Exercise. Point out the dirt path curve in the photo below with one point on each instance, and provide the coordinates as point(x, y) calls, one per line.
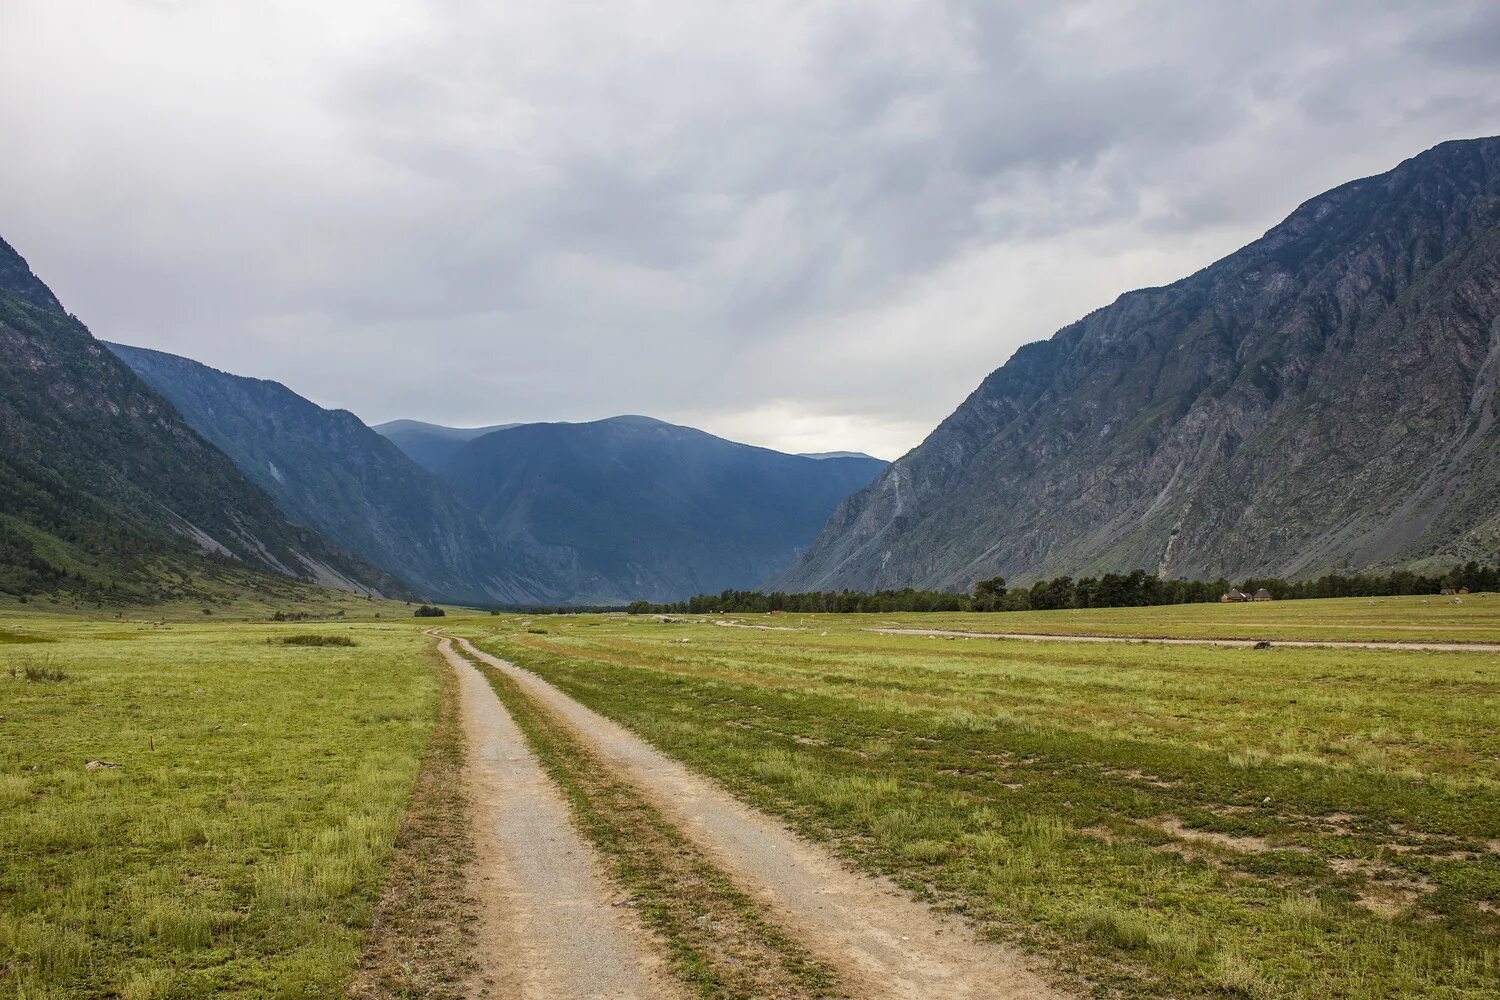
point(883, 943)
point(548, 930)
point(1440, 647)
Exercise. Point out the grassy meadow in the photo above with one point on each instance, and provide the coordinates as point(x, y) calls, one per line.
point(1156, 820)
point(227, 602)
point(237, 844)
point(1474, 618)
point(1149, 820)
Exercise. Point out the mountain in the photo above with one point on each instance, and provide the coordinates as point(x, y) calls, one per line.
point(326, 469)
point(431, 445)
point(633, 508)
point(106, 492)
point(838, 454)
point(1323, 398)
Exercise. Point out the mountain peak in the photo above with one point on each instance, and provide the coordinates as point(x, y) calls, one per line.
point(16, 278)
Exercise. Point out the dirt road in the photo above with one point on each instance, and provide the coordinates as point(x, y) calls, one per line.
point(1439, 647)
point(883, 943)
point(548, 930)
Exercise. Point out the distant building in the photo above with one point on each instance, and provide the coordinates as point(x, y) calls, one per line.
point(1447, 592)
point(1263, 595)
point(1463, 590)
point(1234, 596)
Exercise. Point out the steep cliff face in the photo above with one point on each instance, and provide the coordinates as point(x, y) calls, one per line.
point(1325, 397)
point(105, 490)
point(326, 469)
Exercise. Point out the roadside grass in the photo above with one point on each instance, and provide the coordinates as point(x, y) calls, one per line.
point(235, 843)
point(719, 941)
point(421, 939)
point(1158, 821)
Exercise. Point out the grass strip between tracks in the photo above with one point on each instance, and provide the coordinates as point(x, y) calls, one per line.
point(720, 942)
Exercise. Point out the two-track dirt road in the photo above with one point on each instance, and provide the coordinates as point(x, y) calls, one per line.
point(882, 943)
point(547, 926)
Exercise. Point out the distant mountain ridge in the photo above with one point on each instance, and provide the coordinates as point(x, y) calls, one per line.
point(431, 445)
point(837, 454)
point(325, 468)
point(1324, 398)
point(106, 491)
point(632, 507)
point(530, 514)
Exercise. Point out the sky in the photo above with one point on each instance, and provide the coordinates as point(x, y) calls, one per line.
point(810, 226)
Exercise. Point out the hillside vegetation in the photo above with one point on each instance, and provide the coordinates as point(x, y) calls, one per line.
point(109, 495)
point(326, 469)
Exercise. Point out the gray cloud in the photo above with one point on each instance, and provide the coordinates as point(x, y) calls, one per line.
point(808, 225)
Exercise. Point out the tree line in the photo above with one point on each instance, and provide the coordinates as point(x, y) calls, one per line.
point(837, 602)
point(1111, 590)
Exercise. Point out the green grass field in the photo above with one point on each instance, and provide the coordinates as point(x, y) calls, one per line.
point(1149, 820)
point(1356, 619)
point(238, 846)
point(1158, 820)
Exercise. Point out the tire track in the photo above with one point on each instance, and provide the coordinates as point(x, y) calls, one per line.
point(547, 929)
point(885, 945)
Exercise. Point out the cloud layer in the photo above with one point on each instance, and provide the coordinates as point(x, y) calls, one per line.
point(809, 225)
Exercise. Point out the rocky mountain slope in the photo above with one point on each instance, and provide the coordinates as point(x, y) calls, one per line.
point(326, 469)
point(106, 492)
point(1325, 397)
point(633, 508)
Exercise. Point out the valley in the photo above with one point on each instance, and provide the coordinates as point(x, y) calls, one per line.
point(1165, 666)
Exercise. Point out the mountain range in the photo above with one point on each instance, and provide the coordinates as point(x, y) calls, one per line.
point(635, 508)
point(432, 445)
point(110, 495)
point(517, 514)
point(1325, 398)
point(326, 469)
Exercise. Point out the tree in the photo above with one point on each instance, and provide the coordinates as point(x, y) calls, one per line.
point(989, 594)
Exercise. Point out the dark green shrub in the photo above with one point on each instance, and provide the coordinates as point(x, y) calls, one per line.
point(318, 640)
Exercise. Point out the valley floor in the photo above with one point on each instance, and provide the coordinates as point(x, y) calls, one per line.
point(809, 806)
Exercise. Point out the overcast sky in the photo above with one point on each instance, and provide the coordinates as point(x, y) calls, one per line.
point(805, 225)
